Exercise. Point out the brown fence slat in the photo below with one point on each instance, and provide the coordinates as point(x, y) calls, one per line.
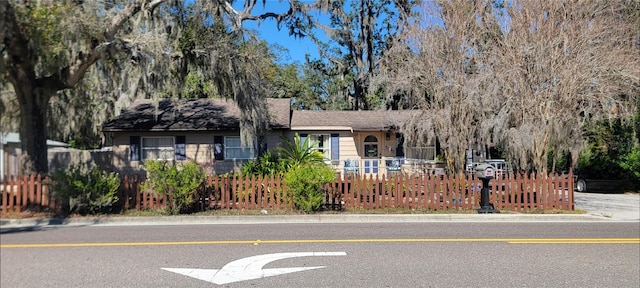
point(378, 192)
point(233, 191)
point(21, 193)
point(6, 192)
point(559, 191)
point(137, 197)
point(222, 187)
point(369, 192)
point(44, 192)
point(33, 187)
point(567, 202)
point(244, 193)
point(416, 192)
point(212, 189)
point(551, 199)
point(38, 192)
point(126, 192)
point(13, 193)
point(277, 198)
point(412, 193)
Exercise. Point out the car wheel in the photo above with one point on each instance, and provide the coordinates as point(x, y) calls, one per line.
point(581, 185)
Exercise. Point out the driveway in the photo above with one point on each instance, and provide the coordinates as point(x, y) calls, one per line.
point(624, 207)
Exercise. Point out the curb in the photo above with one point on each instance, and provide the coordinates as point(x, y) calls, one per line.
point(310, 219)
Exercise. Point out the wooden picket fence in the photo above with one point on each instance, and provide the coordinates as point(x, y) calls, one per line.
point(426, 192)
point(26, 192)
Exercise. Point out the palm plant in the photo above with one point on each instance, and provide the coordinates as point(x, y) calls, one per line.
point(298, 152)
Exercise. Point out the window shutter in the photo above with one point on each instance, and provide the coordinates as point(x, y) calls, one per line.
point(134, 148)
point(218, 147)
point(399, 145)
point(181, 148)
point(335, 147)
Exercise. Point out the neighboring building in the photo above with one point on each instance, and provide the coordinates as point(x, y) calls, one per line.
point(11, 151)
point(208, 131)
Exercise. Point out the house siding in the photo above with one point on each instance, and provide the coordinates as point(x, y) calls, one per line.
point(274, 139)
point(199, 147)
point(348, 148)
point(346, 142)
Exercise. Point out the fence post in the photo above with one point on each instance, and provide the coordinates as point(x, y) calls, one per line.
point(569, 181)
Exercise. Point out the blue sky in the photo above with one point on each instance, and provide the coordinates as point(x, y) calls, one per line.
point(269, 32)
point(296, 47)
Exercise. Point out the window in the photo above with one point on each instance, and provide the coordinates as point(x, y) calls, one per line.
point(158, 148)
point(324, 144)
point(233, 149)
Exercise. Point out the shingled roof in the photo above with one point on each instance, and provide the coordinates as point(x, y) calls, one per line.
point(192, 115)
point(381, 120)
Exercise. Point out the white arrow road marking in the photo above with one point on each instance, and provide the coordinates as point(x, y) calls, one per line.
point(250, 268)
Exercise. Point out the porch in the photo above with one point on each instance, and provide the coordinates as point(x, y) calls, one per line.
point(417, 161)
point(388, 167)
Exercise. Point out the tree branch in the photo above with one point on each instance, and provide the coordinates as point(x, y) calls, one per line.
point(73, 74)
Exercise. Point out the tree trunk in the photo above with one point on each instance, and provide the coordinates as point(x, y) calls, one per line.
point(33, 126)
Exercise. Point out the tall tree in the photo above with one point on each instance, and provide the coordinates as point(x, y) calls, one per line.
point(124, 48)
point(39, 59)
point(562, 65)
point(435, 68)
point(358, 35)
point(526, 75)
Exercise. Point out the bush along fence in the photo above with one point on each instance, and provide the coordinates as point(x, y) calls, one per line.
point(236, 192)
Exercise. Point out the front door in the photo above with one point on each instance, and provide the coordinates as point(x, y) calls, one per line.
point(371, 155)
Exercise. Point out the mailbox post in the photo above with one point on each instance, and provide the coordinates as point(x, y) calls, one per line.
point(485, 172)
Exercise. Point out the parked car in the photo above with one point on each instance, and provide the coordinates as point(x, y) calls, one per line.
point(587, 181)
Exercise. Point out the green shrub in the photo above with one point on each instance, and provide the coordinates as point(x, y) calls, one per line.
point(631, 162)
point(305, 183)
point(268, 164)
point(182, 181)
point(85, 190)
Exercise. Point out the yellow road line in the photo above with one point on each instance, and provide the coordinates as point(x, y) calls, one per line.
point(409, 240)
point(578, 241)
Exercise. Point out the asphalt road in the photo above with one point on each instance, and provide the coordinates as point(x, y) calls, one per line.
point(453, 254)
